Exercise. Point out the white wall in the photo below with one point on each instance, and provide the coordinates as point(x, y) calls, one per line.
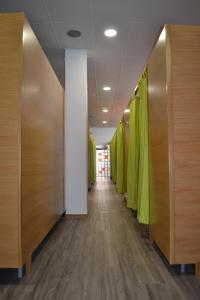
point(102, 136)
point(76, 120)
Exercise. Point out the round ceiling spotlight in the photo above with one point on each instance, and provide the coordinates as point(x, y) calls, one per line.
point(110, 32)
point(107, 88)
point(127, 110)
point(105, 110)
point(104, 122)
point(74, 33)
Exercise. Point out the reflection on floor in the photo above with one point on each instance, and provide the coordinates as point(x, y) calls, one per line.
point(102, 257)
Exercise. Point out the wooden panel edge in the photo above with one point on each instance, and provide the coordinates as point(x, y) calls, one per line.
point(19, 146)
point(170, 139)
point(197, 270)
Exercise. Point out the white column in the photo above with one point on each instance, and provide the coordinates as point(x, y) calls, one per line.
point(76, 120)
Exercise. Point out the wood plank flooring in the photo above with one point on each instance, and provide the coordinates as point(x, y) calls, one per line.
point(102, 257)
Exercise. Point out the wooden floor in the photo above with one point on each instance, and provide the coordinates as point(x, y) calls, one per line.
point(102, 257)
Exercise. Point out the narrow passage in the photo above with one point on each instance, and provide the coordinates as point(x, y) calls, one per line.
point(102, 257)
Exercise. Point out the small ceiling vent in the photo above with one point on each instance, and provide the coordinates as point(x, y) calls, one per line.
point(74, 33)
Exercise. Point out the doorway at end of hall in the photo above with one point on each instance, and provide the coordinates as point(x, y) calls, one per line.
point(103, 161)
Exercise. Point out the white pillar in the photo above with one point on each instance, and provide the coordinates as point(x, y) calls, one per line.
point(76, 122)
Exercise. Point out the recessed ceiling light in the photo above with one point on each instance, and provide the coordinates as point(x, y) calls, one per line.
point(110, 32)
point(74, 33)
point(127, 110)
point(104, 122)
point(105, 110)
point(107, 88)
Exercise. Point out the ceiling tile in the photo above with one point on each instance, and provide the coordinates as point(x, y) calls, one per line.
point(45, 35)
point(34, 10)
point(117, 62)
point(56, 59)
point(66, 42)
point(64, 10)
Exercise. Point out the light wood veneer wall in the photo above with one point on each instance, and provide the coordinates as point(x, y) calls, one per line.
point(174, 124)
point(31, 142)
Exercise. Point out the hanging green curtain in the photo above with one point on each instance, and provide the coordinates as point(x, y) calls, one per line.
point(111, 159)
point(114, 158)
point(143, 179)
point(133, 155)
point(88, 159)
point(125, 157)
point(120, 158)
point(91, 160)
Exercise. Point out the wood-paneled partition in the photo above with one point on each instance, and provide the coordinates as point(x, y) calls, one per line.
point(31, 143)
point(174, 132)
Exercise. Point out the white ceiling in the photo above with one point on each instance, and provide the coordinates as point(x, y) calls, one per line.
point(102, 136)
point(118, 62)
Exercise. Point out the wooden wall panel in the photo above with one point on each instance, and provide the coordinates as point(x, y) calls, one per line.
point(10, 81)
point(159, 150)
point(174, 122)
point(42, 145)
point(185, 43)
point(31, 142)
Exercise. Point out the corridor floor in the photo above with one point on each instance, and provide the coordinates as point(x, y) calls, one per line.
point(102, 257)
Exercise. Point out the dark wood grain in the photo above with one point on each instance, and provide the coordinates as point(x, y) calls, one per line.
point(102, 257)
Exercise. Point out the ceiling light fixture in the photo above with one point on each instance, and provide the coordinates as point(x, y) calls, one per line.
point(110, 32)
point(105, 110)
point(74, 33)
point(104, 122)
point(127, 110)
point(107, 88)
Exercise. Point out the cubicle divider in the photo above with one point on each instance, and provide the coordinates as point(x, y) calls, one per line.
point(31, 139)
point(162, 157)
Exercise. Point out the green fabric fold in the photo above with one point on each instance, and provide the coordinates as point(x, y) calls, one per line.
point(92, 160)
point(113, 154)
point(143, 179)
point(120, 158)
point(133, 155)
point(137, 178)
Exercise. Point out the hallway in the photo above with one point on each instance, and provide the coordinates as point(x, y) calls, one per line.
point(102, 257)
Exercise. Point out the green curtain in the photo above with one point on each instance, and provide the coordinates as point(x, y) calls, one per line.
point(113, 152)
point(125, 157)
point(133, 154)
point(92, 160)
point(120, 158)
point(89, 150)
point(111, 155)
point(143, 178)
point(137, 179)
